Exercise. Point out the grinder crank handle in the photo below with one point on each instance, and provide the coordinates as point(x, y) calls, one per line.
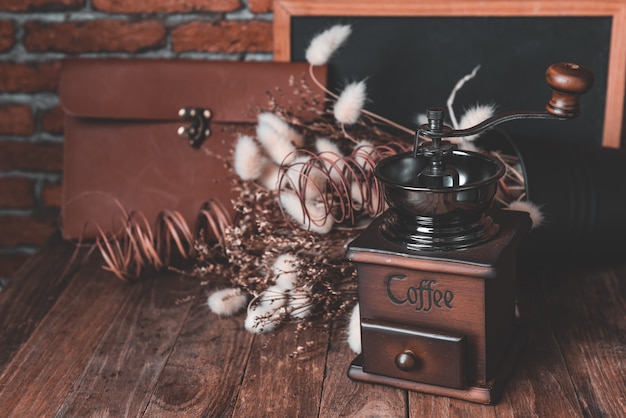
point(568, 82)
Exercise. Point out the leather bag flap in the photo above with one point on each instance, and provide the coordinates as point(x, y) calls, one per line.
point(156, 89)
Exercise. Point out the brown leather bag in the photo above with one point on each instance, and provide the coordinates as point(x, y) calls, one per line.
point(122, 148)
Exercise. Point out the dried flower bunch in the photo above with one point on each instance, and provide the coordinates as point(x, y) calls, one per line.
point(306, 187)
point(280, 273)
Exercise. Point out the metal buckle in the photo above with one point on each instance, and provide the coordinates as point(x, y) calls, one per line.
point(198, 130)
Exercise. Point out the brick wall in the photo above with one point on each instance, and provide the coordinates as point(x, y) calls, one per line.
point(35, 35)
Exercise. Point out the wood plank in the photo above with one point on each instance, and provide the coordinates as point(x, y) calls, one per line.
point(277, 385)
point(540, 384)
point(423, 405)
point(27, 298)
point(124, 368)
point(587, 305)
point(203, 374)
point(57, 351)
point(343, 397)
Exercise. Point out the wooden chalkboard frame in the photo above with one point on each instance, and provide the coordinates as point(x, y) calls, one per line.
point(284, 10)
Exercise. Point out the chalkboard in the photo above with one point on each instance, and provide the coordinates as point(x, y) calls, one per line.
point(413, 62)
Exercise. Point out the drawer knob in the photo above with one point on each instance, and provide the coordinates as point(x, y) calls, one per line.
point(407, 361)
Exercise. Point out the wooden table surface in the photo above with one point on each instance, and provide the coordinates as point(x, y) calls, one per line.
point(85, 344)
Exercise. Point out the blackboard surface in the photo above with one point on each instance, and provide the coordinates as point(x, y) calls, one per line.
point(411, 63)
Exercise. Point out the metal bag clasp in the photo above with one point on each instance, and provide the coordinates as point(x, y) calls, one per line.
point(198, 130)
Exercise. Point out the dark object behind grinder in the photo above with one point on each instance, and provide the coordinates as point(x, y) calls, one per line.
point(581, 190)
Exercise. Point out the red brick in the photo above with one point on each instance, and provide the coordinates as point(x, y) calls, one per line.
point(40, 5)
point(16, 120)
point(7, 35)
point(29, 77)
point(260, 6)
point(26, 230)
point(17, 192)
point(11, 263)
point(94, 36)
point(166, 6)
point(52, 195)
point(52, 120)
point(228, 36)
point(36, 156)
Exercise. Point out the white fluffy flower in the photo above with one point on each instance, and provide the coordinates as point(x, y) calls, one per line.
point(277, 144)
point(363, 194)
point(475, 115)
point(281, 128)
point(266, 314)
point(312, 216)
point(421, 119)
point(227, 302)
point(270, 177)
point(363, 154)
point(307, 178)
point(354, 330)
point(326, 43)
point(300, 305)
point(357, 194)
point(273, 296)
point(248, 159)
point(285, 270)
point(331, 157)
point(350, 103)
point(261, 319)
point(536, 216)
point(323, 145)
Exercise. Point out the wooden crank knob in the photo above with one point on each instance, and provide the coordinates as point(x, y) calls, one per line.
point(568, 82)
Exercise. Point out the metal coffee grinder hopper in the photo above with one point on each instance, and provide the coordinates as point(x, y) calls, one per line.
point(436, 272)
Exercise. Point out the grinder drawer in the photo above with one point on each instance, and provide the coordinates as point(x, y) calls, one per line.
point(415, 354)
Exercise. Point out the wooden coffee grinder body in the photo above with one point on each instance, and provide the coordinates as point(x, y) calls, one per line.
point(439, 322)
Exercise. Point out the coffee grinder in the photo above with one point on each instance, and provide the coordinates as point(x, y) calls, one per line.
point(436, 271)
